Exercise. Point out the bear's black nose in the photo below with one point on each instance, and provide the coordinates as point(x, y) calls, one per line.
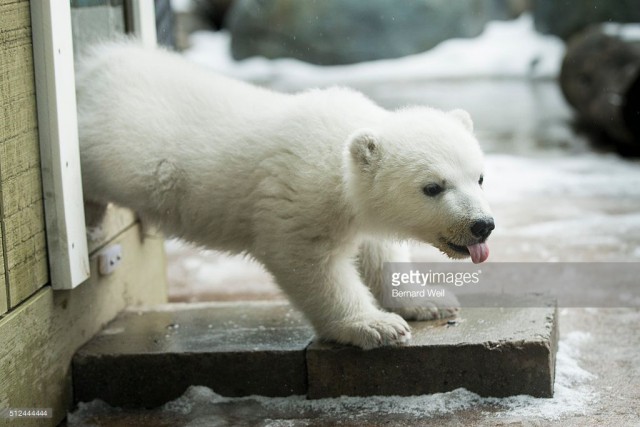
point(482, 228)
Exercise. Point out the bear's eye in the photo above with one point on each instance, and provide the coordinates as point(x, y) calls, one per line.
point(432, 190)
point(481, 180)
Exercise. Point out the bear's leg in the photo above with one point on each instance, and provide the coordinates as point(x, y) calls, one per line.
point(329, 291)
point(371, 259)
point(94, 213)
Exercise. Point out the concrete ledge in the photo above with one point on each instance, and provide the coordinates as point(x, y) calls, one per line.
point(146, 358)
point(490, 351)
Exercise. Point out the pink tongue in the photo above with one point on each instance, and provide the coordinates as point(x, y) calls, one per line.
point(479, 252)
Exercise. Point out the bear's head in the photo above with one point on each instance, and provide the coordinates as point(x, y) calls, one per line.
point(418, 175)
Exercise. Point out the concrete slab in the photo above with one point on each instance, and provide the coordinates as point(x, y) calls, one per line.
point(146, 358)
point(598, 384)
point(490, 351)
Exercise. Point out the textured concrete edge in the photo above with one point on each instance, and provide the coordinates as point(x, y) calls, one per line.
point(500, 372)
point(555, 339)
point(328, 368)
point(151, 379)
point(141, 361)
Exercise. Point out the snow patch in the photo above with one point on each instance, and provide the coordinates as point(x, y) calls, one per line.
point(182, 6)
point(505, 49)
point(509, 177)
point(193, 272)
point(626, 32)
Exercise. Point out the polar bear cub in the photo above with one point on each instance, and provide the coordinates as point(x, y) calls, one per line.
point(316, 185)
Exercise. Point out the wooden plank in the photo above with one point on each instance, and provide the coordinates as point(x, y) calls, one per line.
point(3, 284)
point(21, 154)
point(21, 190)
point(21, 210)
point(22, 113)
point(39, 338)
point(60, 153)
point(26, 256)
point(14, 20)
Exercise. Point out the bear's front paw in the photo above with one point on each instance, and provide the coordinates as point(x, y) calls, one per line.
point(369, 331)
point(432, 309)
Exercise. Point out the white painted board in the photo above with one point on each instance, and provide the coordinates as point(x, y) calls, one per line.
point(143, 13)
point(59, 150)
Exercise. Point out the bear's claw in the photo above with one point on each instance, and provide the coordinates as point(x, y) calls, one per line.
point(370, 331)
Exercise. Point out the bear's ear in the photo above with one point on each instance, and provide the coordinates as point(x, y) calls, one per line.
point(364, 148)
point(463, 117)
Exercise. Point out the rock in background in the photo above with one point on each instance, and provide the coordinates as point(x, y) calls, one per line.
point(564, 18)
point(329, 32)
point(600, 78)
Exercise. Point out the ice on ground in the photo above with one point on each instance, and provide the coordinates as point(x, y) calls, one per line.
point(573, 396)
point(583, 207)
point(511, 178)
point(591, 203)
point(506, 49)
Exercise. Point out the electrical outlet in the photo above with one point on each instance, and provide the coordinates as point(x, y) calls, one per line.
point(109, 259)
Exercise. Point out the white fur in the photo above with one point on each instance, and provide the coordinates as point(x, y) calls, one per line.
point(303, 183)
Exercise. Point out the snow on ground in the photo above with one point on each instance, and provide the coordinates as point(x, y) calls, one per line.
point(195, 274)
point(510, 49)
point(182, 6)
point(573, 396)
point(626, 32)
point(511, 178)
point(589, 199)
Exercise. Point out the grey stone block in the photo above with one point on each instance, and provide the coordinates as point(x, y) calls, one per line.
point(144, 359)
point(490, 351)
